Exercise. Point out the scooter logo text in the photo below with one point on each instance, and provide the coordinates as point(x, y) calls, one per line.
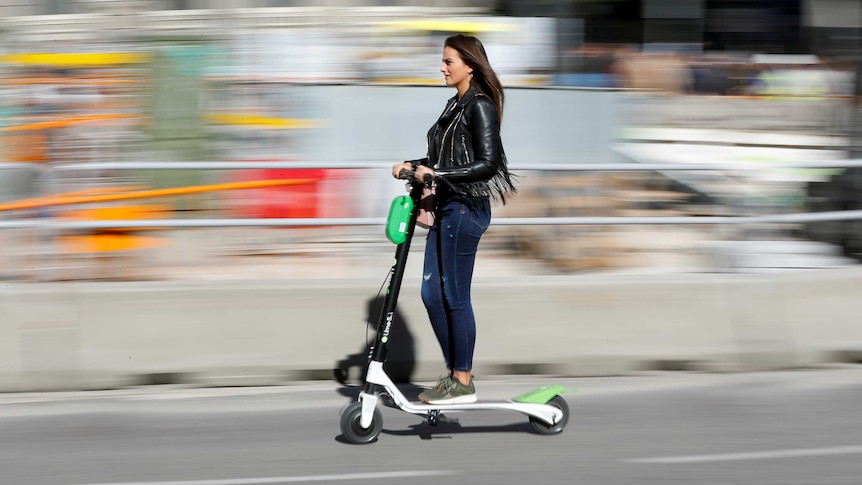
point(385, 337)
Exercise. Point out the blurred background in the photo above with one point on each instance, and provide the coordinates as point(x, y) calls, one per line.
point(193, 193)
point(190, 139)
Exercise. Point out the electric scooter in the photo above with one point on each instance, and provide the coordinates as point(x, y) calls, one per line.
point(362, 421)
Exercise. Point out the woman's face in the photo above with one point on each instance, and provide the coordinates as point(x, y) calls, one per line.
point(455, 71)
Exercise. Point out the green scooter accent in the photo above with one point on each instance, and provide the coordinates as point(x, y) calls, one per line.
point(399, 217)
point(542, 395)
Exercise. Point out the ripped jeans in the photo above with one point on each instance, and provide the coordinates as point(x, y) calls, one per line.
point(450, 254)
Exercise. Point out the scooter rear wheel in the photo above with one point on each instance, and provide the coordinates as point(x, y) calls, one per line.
point(353, 431)
point(542, 427)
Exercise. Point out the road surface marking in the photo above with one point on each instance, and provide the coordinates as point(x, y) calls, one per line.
point(299, 479)
point(753, 455)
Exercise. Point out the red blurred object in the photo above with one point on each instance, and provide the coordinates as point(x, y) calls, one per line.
point(290, 201)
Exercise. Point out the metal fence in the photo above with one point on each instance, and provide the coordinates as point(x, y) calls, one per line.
point(503, 221)
point(571, 242)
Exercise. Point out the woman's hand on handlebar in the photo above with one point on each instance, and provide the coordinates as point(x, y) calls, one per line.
point(399, 167)
point(422, 171)
point(403, 170)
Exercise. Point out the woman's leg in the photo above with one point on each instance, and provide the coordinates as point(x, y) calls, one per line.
point(432, 293)
point(459, 230)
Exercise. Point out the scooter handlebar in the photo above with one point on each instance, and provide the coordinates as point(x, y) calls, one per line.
point(405, 174)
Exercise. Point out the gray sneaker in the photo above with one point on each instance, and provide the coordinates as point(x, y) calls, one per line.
point(450, 391)
point(441, 380)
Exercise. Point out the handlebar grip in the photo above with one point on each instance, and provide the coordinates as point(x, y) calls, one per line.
point(405, 174)
point(428, 179)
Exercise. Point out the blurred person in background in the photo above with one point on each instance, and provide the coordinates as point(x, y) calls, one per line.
point(468, 165)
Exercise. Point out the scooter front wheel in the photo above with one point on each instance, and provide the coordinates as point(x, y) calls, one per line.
point(353, 431)
point(542, 427)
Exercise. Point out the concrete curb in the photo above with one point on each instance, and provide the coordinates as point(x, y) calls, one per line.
point(80, 336)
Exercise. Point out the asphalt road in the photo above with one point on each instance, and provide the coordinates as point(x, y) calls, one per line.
point(794, 427)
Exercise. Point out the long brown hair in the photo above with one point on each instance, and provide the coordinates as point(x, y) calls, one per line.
point(473, 54)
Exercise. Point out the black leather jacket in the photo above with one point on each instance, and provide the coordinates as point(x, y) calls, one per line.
point(465, 149)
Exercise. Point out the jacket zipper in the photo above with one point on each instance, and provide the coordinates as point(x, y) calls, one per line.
point(454, 122)
point(464, 146)
point(443, 141)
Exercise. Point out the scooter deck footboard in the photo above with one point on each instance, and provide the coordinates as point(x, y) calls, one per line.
point(546, 413)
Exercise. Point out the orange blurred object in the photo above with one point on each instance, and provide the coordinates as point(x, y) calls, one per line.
point(116, 238)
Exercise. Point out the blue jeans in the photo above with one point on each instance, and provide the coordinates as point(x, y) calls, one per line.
point(450, 254)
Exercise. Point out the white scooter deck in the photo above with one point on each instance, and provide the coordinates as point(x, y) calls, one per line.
point(376, 375)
